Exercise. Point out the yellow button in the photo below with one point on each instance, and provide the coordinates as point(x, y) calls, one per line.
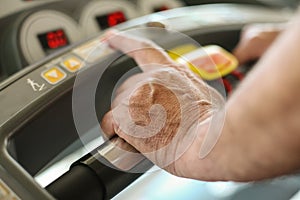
point(209, 62)
point(54, 75)
point(72, 64)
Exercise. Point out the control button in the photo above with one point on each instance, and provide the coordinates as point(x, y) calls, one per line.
point(93, 51)
point(3, 191)
point(54, 75)
point(210, 62)
point(6, 193)
point(72, 64)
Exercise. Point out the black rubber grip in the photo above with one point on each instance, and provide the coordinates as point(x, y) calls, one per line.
point(113, 180)
point(80, 182)
point(90, 179)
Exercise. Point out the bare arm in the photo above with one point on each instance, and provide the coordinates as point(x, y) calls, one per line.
point(261, 134)
point(265, 111)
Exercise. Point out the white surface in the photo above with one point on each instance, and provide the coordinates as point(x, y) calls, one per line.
point(296, 196)
point(160, 185)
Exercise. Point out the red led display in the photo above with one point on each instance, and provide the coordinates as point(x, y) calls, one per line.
point(111, 19)
point(116, 18)
point(56, 39)
point(53, 39)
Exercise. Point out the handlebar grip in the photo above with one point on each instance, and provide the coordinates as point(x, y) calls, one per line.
point(102, 173)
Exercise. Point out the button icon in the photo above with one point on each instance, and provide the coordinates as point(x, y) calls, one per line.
point(72, 64)
point(35, 86)
point(54, 75)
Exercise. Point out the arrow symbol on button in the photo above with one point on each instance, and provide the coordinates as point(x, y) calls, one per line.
point(73, 63)
point(53, 74)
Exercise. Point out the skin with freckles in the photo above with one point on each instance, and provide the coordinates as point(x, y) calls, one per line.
point(261, 133)
point(184, 99)
point(155, 94)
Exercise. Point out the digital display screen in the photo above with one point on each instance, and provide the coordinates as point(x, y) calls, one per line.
point(160, 8)
point(111, 19)
point(53, 39)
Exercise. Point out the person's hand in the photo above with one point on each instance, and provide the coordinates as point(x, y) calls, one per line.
point(163, 112)
point(167, 113)
point(255, 40)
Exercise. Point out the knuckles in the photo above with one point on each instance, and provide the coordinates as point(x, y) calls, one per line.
point(140, 104)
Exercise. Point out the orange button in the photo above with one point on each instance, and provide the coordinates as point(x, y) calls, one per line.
point(210, 62)
point(54, 75)
point(72, 64)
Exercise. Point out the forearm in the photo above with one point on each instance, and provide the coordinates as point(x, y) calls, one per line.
point(264, 112)
point(261, 134)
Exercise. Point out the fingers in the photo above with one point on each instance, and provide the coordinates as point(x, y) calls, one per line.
point(147, 54)
point(107, 125)
point(143, 51)
point(243, 54)
point(255, 40)
point(246, 50)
